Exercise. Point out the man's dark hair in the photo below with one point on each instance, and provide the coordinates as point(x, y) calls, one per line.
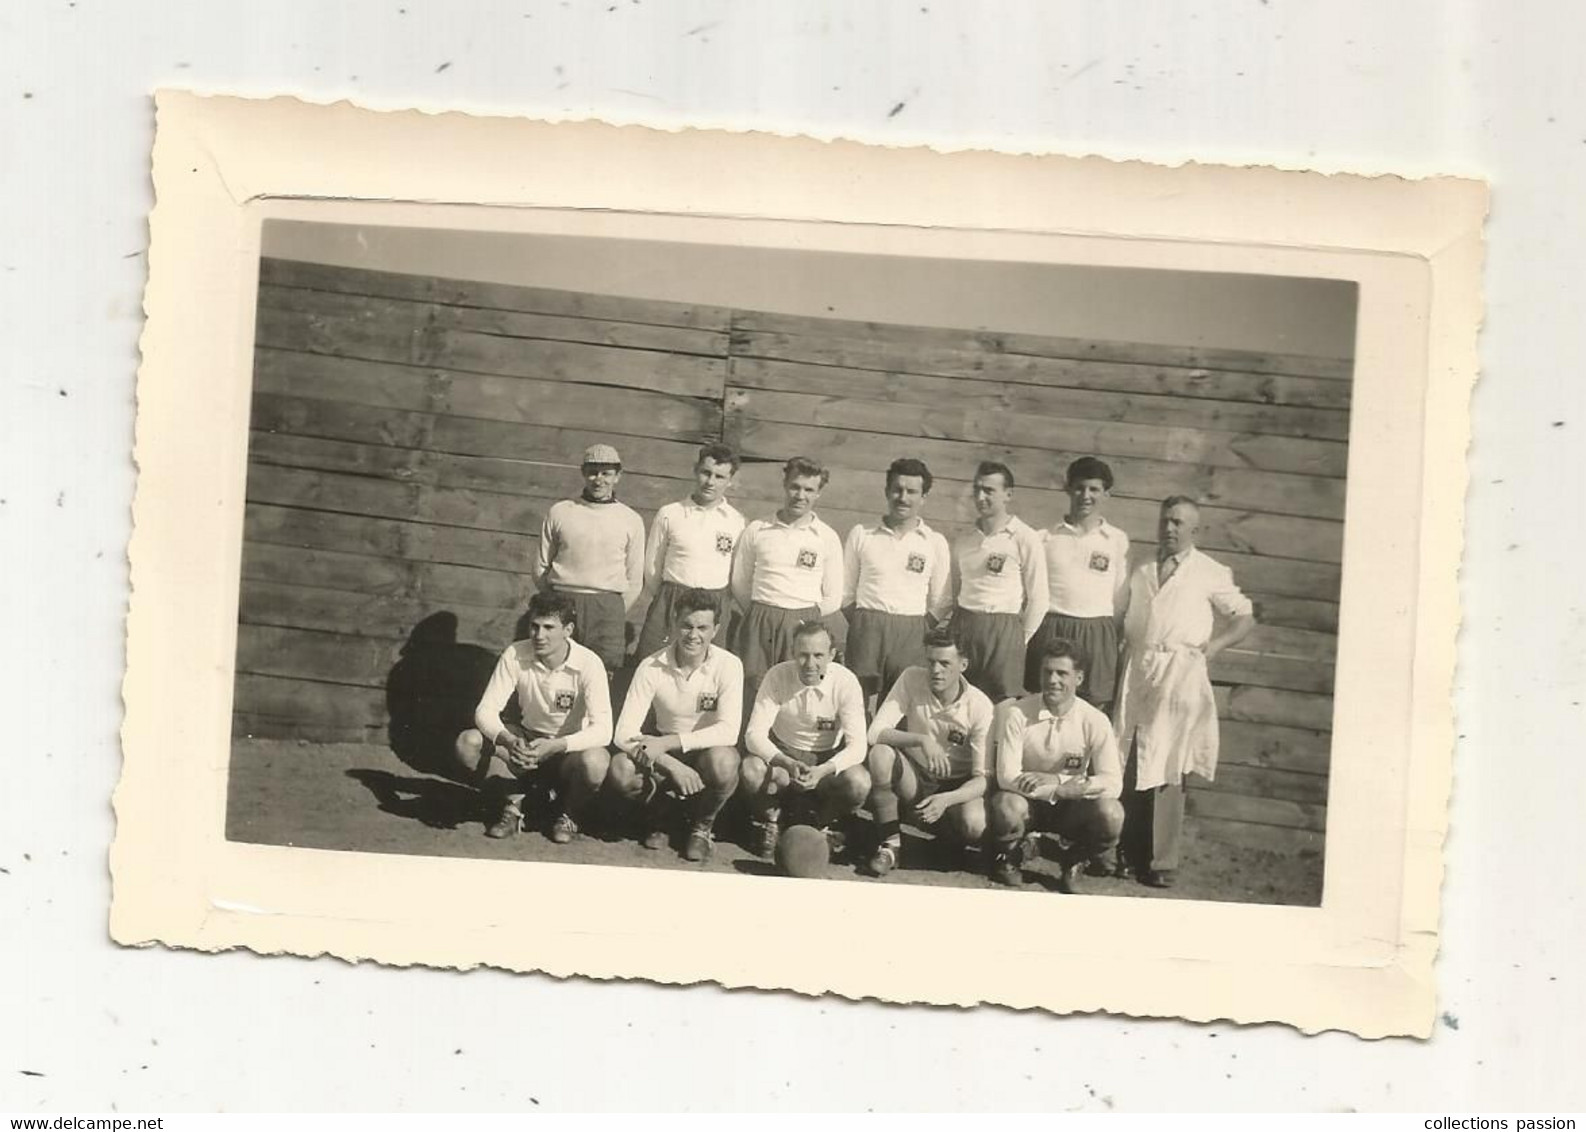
point(1089, 468)
point(549, 603)
point(908, 466)
point(941, 637)
point(690, 602)
point(1060, 647)
point(801, 466)
point(992, 468)
point(810, 628)
point(719, 453)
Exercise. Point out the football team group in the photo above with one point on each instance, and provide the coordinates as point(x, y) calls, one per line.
point(978, 688)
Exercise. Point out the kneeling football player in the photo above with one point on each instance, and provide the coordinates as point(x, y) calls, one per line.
point(560, 747)
point(928, 751)
point(805, 743)
point(690, 756)
point(1057, 772)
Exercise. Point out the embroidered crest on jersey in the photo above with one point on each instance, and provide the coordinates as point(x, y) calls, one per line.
point(956, 736)
point(1100, 562)
point(916, 563)
point(995, 563)
point(1073, 764)
point(707, 701)
point(723, 543)
point(808, 560)
point(826, 723)
point(563, 701)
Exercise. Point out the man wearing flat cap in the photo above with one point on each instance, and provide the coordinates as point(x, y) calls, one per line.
point(592, 550)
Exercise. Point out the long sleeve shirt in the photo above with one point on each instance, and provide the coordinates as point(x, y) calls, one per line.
point(829, 716)
point(690, 545)
point(1002, 572)
point(789, 565)
point(897, 571)
point(703, 708)
point(571, 701)
point(1077, 745)
point(963, 727)
point(1087, 573)
point(589, 547)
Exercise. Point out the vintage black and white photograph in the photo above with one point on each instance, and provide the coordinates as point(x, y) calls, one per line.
point(877, 569)
point(557, 556)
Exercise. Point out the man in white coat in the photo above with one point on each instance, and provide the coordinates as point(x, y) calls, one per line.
point(1165, 715)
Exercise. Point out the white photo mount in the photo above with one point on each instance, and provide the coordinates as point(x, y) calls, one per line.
point(1362, 962)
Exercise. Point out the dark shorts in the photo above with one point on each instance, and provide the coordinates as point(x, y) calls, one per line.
point(993, 644)
point(544, 774)
point(802, 808)
point(808, 758)
point(1078, 821)
point(929, 785)
point(764, 637)
point(602, 625)
point(882, 645)
point(658, 618)
point(1096, 640)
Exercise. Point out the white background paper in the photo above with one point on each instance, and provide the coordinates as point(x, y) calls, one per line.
point(1418, 87)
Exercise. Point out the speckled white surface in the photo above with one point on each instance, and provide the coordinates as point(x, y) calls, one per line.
point(1417, 87)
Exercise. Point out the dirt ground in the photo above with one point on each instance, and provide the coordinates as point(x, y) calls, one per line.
point(362, 797)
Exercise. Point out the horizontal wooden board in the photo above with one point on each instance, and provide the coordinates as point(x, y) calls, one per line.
point(1298, 612)
point(385, 578)
point(1211, 803)
point(362, 495)
point(328, 658)
point(425, 345)
point(400, 428)
point(571, 362)
point(1082, 349)
point(980, 365)
point(1246, 666)
point(951, 501)
point(509, 324)
point(1284, 641)
point(1271, 745)
point(1272, 838)
point(389, 538)
point(969, 418)
point(1265, 782)
point(493, 296)
point(635, 412)
point(442, 469)
point(1240, 417)
point(290, 606)
point(1277, 493)
point(469, 513)
point(308, 701)
point(594, 332)
point(407, 343)
point(245, 725)
point(1305, 710)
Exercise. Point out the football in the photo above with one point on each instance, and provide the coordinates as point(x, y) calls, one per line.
point(802, 851)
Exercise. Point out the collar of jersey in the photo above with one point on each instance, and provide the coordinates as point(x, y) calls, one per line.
point(709, 661)
point(920, 529)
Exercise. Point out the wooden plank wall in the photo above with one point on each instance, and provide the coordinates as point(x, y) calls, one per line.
point(408, 435)
point(409, 432)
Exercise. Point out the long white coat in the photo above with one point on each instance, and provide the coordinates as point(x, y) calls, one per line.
point(1164, 689)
